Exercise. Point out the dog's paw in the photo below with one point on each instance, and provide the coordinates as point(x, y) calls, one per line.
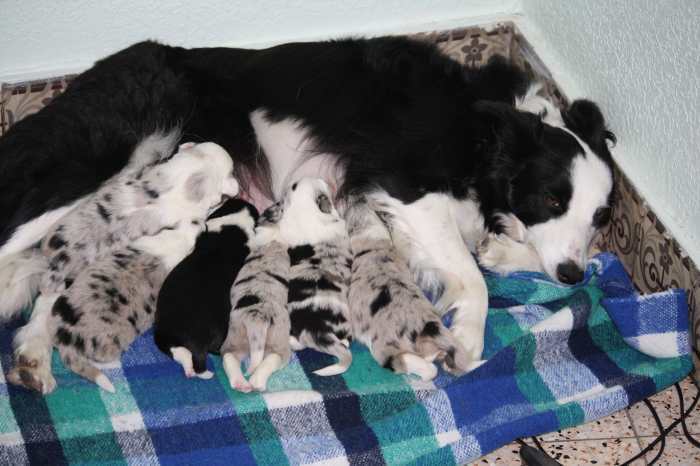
point(471, 337)
point(32, 373)
point(503, 255)
point(492, 252)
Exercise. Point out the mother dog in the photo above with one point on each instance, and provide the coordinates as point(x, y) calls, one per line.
point(455, 154)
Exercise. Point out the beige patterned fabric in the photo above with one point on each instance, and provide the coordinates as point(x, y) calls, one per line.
point(650, 254)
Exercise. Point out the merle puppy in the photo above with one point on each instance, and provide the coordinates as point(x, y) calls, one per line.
point(259, 325)
point(319, 255)
point(193, 308)
point(388, 311)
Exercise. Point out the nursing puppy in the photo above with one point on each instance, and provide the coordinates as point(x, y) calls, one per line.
point(259, 324)
point(388, 311)
point(319, 254)
point(192, 314)
point(114, 240)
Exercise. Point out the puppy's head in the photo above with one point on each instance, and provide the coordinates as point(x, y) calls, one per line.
point(309, 213)
point(234, 213)
point(204, 175)
point(553, 172)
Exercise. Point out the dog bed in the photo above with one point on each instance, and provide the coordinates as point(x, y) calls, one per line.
point(558, 356)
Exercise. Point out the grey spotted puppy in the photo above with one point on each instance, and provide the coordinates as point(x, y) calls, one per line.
point(146, 214)
point(319, 253)
point(389, 313)
point(259, 323)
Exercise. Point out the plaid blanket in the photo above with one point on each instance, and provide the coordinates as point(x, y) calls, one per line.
point(557, 356)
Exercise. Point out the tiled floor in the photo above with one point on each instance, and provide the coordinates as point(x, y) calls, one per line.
point(617, 438)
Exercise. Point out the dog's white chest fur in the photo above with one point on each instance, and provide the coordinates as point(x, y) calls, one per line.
point(290, 153)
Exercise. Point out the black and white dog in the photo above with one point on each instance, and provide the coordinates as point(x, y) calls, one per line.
point(444, 147)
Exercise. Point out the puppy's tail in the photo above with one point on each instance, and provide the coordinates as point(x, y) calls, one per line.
point(82, 366)
point(20, 276)
point(341, 351)
point(257, 336)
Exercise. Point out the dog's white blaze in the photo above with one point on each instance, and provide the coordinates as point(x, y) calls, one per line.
point(291, 155)
point(568, 237)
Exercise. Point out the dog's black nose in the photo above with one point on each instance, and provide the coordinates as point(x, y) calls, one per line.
point(568, 272)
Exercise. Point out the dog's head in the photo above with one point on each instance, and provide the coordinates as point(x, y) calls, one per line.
point(553, 172)
point(308, 211)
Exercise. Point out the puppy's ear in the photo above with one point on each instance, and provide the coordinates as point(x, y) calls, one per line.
point(585, 119)
point(195, 186)
point(323, 203)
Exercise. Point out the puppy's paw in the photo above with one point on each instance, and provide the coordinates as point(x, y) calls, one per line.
point(232, 367)
point(206, 375)
point(241, 386)
point(33, 374)
point(416, 365)
point(258, 381)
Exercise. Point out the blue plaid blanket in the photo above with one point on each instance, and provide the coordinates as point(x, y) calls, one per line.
point(557, 356)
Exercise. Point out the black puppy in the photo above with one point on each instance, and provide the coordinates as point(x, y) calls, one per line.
point(194, 303)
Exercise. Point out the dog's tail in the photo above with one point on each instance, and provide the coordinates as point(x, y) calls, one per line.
point(82, 366)
point(20, 276)
point(341, 351)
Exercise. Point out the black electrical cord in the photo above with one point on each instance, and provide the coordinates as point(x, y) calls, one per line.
point(681, 402)
point(663, 433)
point(661, 438)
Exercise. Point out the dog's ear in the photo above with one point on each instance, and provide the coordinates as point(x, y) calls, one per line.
point(585, 119)
point(195, 186)
point(494, 123)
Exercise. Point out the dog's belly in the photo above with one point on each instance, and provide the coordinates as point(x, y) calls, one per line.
point(290, 154)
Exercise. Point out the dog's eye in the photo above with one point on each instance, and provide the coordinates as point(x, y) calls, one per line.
point(601, 217)
point(552, 202)
point(323, 203)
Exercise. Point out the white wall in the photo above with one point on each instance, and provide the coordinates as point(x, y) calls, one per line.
point(43, 38)
point(639, 60)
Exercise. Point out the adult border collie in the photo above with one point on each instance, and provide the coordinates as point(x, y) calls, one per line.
point(456, 154)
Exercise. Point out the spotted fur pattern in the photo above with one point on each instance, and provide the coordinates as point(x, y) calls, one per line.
point(105, 309)
point(389, 312)
point(259, 323)
point(108, 258)
point(319, 254)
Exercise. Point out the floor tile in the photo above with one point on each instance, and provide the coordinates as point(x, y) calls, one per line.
point(604, 452)
point(667, 407)
point(507, 455)
point(617, 425)
point(678, 450)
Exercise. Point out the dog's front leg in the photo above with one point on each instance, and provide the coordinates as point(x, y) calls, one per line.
point(428, 235)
